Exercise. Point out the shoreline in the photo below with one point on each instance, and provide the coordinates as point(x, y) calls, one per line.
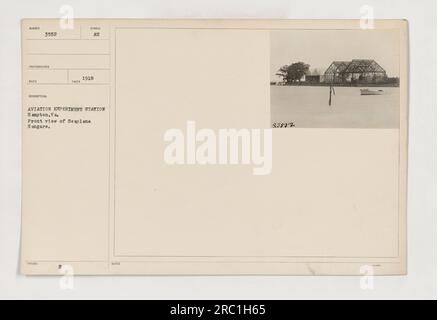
point(355, 85)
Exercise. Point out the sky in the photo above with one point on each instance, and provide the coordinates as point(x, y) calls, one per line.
point(319, 48)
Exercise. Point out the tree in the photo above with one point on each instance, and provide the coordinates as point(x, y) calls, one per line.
point(283, 73)
point(294, 72)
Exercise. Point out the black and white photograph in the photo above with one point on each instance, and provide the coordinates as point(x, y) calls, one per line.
point(218, 159)
point(335, 78)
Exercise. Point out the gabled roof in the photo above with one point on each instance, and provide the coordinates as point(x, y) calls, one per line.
point(363, 66)
point(354, 66)
point(337, 67)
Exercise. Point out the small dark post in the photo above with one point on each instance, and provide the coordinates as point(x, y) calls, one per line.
point(330, 94)
point(331, 91)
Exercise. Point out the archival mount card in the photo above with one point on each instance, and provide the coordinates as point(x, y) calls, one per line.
point(210, 147)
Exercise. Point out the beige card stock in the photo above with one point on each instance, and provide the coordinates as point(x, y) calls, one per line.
point(211, 147)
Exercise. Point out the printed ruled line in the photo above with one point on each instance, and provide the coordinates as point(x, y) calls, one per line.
point(34, 39)
point(254, 257)
point(67, 84)
point(67, 54)
point(220, 262)
point(48, 69)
